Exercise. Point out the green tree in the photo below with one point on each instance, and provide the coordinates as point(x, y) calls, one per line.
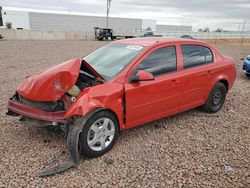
point(206, 29)
point(219, 30)
point(8, 25)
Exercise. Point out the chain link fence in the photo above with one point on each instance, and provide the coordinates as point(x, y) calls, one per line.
point(208, 35)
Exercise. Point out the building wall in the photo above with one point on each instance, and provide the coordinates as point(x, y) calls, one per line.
point(17, 18)
point(83, 25)
point(215, 37)
point(86, 24)
point(169, 28)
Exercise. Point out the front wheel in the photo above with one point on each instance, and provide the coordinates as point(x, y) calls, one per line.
point(216, 98)
point(99, 134)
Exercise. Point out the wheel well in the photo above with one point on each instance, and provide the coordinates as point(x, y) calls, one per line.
point(225, 82)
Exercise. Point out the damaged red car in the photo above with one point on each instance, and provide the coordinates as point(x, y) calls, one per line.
point(121, 85)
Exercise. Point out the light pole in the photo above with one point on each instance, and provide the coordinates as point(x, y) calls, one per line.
point(243, 25)
point(108, 8)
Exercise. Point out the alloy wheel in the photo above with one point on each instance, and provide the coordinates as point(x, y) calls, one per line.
point(101, 134)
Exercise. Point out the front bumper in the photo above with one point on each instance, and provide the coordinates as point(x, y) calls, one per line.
point(34, 113)
point(16, 108)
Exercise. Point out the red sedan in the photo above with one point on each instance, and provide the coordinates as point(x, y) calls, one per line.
point(121, 85)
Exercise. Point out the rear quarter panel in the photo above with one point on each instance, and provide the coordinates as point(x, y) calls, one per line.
point(224, 70)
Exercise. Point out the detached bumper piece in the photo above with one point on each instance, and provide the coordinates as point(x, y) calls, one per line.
point(16, 108)
point(75, 128)
point(74, 151)
point(72, 144)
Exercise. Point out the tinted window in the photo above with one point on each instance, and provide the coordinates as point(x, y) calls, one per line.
point(160, 61)
point(192, 55)
point(195, 55)
point(208, 55)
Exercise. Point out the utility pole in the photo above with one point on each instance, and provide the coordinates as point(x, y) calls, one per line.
point(243, 26)
point(239, 29)
point(108, 8)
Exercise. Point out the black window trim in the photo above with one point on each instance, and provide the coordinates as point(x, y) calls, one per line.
point(157, 48)
point(203, 52)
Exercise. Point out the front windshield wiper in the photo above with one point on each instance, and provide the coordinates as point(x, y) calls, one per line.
point(91, 76)
point(87, 74)
point(97, 76)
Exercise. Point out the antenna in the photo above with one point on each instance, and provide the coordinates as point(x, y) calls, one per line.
point(108, 8)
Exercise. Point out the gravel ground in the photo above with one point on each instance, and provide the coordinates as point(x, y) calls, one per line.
point(192, 149)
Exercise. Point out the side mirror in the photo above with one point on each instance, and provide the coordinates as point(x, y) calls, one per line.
point(142, 75)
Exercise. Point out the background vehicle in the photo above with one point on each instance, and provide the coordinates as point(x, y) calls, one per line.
point(107, 33)
point(148, 34)
point(187, 37)
point(122, 85)
point(246, 66)
point(103, 33)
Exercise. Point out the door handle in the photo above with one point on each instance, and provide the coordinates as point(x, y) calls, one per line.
point(173, 82)
point(210, 72)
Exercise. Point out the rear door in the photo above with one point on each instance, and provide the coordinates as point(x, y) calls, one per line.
point(150, 100)
point(196, 75)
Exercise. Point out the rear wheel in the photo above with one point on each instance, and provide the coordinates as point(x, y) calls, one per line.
point(100, 38)
point(216, 98)
point(99, 134)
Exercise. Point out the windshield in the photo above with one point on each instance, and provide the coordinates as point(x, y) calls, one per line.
point(111, 59)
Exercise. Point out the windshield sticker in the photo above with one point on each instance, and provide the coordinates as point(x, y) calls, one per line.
point(134, 47)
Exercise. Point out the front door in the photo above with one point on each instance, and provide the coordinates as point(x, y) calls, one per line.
point(151, 100)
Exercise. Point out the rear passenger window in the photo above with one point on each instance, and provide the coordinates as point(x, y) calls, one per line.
point(209, 55)
point(195, 55)
point(160, 61)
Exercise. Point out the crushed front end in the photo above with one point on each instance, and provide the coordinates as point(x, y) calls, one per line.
point(44, 114)
point(39, 114)
point(43, 100)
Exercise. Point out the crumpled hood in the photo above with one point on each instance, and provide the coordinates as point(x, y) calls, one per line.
point(51, 84)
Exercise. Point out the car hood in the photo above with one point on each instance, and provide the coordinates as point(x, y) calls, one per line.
point(52, 84)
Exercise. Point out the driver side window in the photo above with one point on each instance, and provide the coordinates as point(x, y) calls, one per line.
point(161, 61)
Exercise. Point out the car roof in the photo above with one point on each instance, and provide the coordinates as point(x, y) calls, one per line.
point(149, 41)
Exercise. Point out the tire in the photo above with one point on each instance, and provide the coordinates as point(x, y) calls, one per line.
point(95, 133)
point(216, 98)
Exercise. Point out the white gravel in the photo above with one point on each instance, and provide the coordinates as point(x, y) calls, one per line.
point(192, 149)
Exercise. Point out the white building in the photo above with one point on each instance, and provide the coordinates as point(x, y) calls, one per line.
point(45, 21)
